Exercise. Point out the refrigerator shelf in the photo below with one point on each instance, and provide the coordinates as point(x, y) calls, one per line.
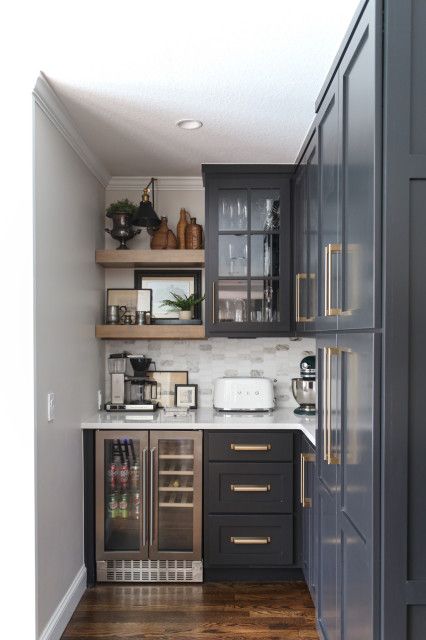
point(177, 456)
point(177, 500)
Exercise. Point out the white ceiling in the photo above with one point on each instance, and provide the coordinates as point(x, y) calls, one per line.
point(250, 71)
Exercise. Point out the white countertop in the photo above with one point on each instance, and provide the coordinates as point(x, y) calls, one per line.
point(204, 419)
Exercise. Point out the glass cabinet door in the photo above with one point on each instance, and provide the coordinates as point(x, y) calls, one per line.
point(121, 495)
point(246, 292)
point(176, 490)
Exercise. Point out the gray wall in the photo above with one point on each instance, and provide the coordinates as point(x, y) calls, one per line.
point(69, 203)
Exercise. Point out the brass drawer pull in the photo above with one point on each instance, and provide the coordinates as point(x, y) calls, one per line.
point(251, 447)
point(240, 540)
point(248, 488)
point(304, 457)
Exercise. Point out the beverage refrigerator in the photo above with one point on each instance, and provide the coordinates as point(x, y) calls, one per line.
point(148, 506)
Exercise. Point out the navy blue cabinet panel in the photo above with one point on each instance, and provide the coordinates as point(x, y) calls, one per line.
point(356, 580)
point(305, 215)
point(250, 446)
point(327, 306)
point(250, 540)
point(250, 487)
point(359, 216)
point(328, 590)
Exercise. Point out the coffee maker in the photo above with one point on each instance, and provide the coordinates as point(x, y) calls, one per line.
point(131, 389)
point(305, 388)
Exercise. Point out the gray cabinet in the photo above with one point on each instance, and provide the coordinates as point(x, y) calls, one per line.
point(359, 182)
point(308, 505)
point(305, 212)
point(348, 456)
point(248, 250)
point(336, 203)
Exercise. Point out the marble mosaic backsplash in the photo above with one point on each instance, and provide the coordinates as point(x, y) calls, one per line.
point(277, 358)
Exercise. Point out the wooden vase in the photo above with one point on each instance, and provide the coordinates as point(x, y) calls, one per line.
point(160, 237)
point(193, 235)
point(171, 240)
point(181, 226)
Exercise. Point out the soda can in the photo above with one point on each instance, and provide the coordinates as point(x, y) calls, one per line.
point(123, 505)
point(136, 506)
point(113, 510)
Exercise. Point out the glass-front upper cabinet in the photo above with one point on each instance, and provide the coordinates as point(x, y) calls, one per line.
point(247, 249)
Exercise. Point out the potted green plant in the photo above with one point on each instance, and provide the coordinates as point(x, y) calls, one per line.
point(183, 304)
point(122, 213)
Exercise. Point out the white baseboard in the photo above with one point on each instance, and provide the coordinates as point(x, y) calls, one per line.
point(63, 612)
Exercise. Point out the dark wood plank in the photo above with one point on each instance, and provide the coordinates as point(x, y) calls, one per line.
point(231, 611)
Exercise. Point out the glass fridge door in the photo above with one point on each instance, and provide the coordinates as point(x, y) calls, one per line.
point(176, 495)
point(121, 495)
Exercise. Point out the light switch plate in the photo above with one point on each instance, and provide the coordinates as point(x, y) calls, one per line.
point(50, 407)
point(99, 400)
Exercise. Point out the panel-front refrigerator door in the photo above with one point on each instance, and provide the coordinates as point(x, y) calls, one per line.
point(176, 495)
point(121, 495)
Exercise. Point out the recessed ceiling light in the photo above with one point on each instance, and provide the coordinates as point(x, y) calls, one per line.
point(189, 124)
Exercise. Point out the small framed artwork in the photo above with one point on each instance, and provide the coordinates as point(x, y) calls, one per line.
point(166, 383)
point(133, 299)
point(186, 395)
point(163, 283)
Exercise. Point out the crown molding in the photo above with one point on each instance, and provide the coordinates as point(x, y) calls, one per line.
point(164, 183)
point(46, 98)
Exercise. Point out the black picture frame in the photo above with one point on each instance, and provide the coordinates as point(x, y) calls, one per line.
point(195, 274)
point(186, 386)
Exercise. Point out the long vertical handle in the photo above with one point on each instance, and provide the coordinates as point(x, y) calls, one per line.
point(331, 457)
point(151, 498)
point(144, 483)
point(329, 250)
point(302, 479)
point(325, 405)
point(213, 302)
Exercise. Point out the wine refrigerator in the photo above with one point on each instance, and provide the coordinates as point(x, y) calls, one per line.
point(148, 506)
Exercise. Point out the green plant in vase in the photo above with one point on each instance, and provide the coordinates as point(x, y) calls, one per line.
point(183, 304)
point(122, 213)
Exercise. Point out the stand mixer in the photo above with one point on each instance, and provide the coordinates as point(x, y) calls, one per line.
point(305, 388)
point(131, 390)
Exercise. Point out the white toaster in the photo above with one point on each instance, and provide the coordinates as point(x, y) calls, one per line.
point(243, 394)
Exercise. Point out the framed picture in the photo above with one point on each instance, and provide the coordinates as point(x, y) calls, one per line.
point(186, 395)
point(163, 283)
point(133, 299)
point(166, 381)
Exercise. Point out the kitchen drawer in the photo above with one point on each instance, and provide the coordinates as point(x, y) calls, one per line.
point(250, 540)
point(250, 446)
point(250, 487)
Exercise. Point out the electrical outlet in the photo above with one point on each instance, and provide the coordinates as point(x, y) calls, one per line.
point(50, 407)
point(99, 400)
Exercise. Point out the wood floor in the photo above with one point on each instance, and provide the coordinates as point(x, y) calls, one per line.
point(232, 611)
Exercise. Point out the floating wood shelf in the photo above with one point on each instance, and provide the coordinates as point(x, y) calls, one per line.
point(150, 258)
point(150, 332)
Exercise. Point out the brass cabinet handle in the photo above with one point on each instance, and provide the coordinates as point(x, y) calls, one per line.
point(151, 504)
point(244, 540)
point(329, 250)
point(299, 277)
point(304, 457)
point(213, 302)
point(249, 488)
point(328, 454)
point(144, 469)
point(251, 447)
